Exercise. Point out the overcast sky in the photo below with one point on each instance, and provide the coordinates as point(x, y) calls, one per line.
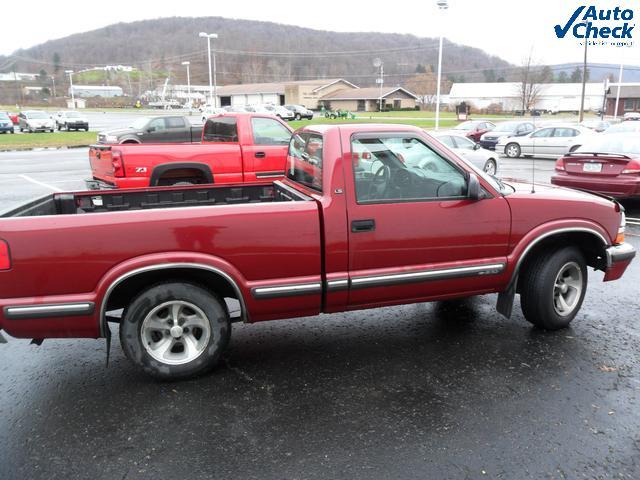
point(507, 28)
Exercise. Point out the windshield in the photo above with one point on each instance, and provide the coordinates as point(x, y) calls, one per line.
point(506, 126)
point(4, 117)
point(466, 126)
point(139, 123)
point(621, 143)
point(72, 115)
point(37, 115)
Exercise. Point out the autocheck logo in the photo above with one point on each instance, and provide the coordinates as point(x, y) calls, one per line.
point(613, 27)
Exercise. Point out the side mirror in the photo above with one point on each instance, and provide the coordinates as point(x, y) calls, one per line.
point(477, 146)
point(473, 187)
point(151, 129)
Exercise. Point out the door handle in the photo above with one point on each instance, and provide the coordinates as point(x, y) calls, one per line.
point(358, 226)
point(260, 155)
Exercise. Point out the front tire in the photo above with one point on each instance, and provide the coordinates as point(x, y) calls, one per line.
point(553, 288)
point(512, 150)
point(298, 116)
point(490, 167)
point(175, 330)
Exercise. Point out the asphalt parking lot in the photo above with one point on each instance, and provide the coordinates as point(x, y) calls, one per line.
point(419, 391)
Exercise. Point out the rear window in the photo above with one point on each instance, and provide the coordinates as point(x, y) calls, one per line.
point(221, 129)
point(304, 160)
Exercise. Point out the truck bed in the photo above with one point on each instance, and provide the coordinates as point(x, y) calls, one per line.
point(170, 197)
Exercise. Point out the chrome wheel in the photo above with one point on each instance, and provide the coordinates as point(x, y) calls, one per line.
point(175, 332)
point(567, 289)
point(490, 167)
point(512, 150)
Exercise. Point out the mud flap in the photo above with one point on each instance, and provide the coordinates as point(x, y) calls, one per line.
point(2, 339)
point(504, 306)
point(108, 338)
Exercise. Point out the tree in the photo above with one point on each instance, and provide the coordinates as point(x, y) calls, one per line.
point(421, 68)
point(529, 83)
point(56, 62)
point(576, 75)
point(42, 76)
point(562, 77)
point(489, 75)
point(425, 86)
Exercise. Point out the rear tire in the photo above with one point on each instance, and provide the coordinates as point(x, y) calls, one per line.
point(552, 288)
point(490, 167)
point(175, 330)
point(298, 116)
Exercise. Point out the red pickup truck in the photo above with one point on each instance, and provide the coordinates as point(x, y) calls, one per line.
point(367, 216)
point(239, 147)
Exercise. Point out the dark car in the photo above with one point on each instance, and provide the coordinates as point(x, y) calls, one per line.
point(6, 125)
point(607, 164)
point(165, 129)
point(490, 139)
point(300, 112)
point(472, 129)
point(71, 121)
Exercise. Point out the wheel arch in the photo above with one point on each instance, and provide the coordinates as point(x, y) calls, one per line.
point(128, 285)
point(129, 140)
point(160, 170)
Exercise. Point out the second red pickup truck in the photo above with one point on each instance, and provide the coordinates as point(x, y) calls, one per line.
point(367, 216)
point(239, 147)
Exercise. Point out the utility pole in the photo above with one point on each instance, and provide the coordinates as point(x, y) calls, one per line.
point(442, 5)
point(53, 81)
point(584, 80)
point(615, 112)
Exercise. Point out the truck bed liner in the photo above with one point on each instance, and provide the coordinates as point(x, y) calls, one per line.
point(113, 201)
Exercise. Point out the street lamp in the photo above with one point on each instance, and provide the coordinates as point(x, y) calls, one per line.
point(378, 64)
point(212, 90)
point(73, 98)
point(442, 5)
point(53, 81)
point(186, 64)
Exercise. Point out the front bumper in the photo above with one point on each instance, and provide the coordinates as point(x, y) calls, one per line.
point(93, 184)
point(6, 128)
point(488, 144)
point(618, 259)
point(78, 125)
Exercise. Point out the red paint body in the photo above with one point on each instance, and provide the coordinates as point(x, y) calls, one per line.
point(618, 175)
point(77, 257)
point(229, 162)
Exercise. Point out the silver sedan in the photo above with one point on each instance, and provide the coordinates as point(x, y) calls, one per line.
point(470, 151)
point(552, 141)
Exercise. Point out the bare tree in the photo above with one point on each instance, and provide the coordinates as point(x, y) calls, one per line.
point(531, 77)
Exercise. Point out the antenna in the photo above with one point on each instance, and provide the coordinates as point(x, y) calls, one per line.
point(533, 160)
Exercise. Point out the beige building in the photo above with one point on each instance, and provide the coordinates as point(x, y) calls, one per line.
point(368, 99)
point(309, 92)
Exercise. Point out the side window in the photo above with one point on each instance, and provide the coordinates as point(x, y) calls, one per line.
point(221, 130)
point(269, 132)
point(175, 122)
point(157, 124)
point(464, 143)
point(542, 133)
point(447, 140)
point(565, 132)
point(304, 160)
point(392, 169)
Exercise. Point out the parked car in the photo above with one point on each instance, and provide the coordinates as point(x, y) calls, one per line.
point(596, 125)
point(473, 129)
point(6, 125)
point(623, 127)
point(300, 112)
point(631, 116)
point(470, 151)
point(209, 110)
point(490, 139)
point(163, 129)
point(71, 120)
point(279, 112)
point(606, 164)
point(234, 148)
point(330, 237)
point(35, 121)
point(545, 142)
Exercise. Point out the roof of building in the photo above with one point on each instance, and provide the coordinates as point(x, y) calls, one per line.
point(369, 93)
point(512, 89)
point(272, 87)
point(630, 90)
point(97, 87)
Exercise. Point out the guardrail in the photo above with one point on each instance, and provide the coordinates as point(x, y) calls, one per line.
point(633, 221)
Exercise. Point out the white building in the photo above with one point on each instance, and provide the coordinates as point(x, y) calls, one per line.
point(88, 91)
point(554, 97)
point(11, 77)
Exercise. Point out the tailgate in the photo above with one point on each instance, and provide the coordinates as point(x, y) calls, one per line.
point(595, 165)
point(101, 162)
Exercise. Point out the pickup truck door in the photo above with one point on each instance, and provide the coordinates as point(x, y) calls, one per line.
point(265, 157)
point(156, 132)
point(178, 130)
point(413, 233)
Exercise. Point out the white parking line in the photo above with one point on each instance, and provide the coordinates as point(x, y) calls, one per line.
point(32, 180)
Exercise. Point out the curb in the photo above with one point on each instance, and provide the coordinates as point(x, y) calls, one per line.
point(42, 149)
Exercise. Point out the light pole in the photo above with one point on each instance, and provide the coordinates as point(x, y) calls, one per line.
point(378, 63)
point(615, 111)
point(53, 81)
point(442, 5)
point(73, 98)
point(186, 64)
point(213, 98)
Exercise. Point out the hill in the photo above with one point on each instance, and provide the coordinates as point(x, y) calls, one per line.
point(251, 51)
